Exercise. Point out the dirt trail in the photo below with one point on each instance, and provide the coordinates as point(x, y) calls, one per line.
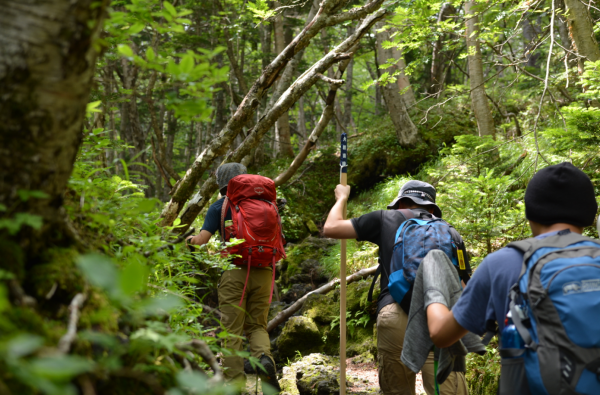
point(363, 374)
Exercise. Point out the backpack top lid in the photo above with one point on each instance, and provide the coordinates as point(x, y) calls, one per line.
point(251, 186)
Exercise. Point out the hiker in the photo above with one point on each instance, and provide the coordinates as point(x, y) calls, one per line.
point(245, 292)
point(560, 353)
point(416, 199)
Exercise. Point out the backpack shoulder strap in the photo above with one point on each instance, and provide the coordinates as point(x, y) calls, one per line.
point(375, 277)
point(522, 245)
point(223, 214)
point(408, 214)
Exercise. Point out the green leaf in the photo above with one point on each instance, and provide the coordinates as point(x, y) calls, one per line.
point(25, 194)
point(136, 28)
point(61, 368)
point(93, 107)
point(23, 345)
point(187, 64)
point(146, 206)
point(99, 270)
point(169, 7)
point(2, 207)
point(133, 278)
point(193, 381)
point(125, 50)
point(161, 305)
point(150, 55)
point(35, 221)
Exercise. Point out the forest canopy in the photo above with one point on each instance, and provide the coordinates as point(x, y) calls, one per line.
point(116, 114)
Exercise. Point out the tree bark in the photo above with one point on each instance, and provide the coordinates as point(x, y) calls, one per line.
point(581, 27)
point(326, 16)
point(348, 119)
point(481, 108)
point(563, 28)
point(396, 103)
point(238, 70)
point(287, 99)
point(46, 68)
point(530, 36)
point(438, 56)
point(282, 127)
point(301, 121)
point(375, 76)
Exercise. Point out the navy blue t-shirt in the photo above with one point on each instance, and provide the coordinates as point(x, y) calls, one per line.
point(212, 221)
point(484, 301)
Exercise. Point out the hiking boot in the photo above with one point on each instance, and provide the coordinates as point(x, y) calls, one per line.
point(269, 383)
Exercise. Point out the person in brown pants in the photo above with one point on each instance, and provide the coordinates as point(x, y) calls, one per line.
point(251, 317)
point(379, 227)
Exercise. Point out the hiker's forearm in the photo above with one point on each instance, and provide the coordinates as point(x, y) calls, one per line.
point(443, 327)
point(336, 227)
point(201, 238)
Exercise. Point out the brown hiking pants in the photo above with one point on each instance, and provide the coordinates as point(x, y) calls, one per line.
point(394, 377)
point(249, 318)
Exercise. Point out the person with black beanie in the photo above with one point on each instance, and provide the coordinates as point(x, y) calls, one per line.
point(559, 199)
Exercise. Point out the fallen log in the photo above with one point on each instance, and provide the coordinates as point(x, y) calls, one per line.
point(330, 286)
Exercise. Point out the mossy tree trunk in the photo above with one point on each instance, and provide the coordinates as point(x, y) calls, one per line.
point(479, 101)
point(397, 95)
point(47, 60)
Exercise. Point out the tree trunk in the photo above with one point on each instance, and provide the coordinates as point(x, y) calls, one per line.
point(530, 36)
point(481, 107)
point(46, 69)
point(348, 119)
point(170, 137)
point(326, 16)
point(438, 56)
point(563, 28)
point(581, 27)
point(375, 76)
point(402, 81)
point(282, 128)
point(406, 131)
point(301, 122)
point(265, 45)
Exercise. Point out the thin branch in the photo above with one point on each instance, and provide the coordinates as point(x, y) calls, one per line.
point(64, 345)
point(330, 81)
point(202, 349)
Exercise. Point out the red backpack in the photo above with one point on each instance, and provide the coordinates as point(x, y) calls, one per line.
point(256, 220)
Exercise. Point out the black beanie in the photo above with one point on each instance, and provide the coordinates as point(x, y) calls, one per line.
point(561, 194)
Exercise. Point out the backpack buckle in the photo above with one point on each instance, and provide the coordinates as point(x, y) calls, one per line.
point(261, 249)
point(249, 250)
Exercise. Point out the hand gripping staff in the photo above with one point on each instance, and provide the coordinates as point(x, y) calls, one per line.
point(343, 181)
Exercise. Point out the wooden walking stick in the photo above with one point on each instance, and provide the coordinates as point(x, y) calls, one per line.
point(343, 181)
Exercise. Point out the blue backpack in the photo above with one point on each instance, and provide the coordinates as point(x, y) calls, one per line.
point(555, 306)
point(414, 239)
